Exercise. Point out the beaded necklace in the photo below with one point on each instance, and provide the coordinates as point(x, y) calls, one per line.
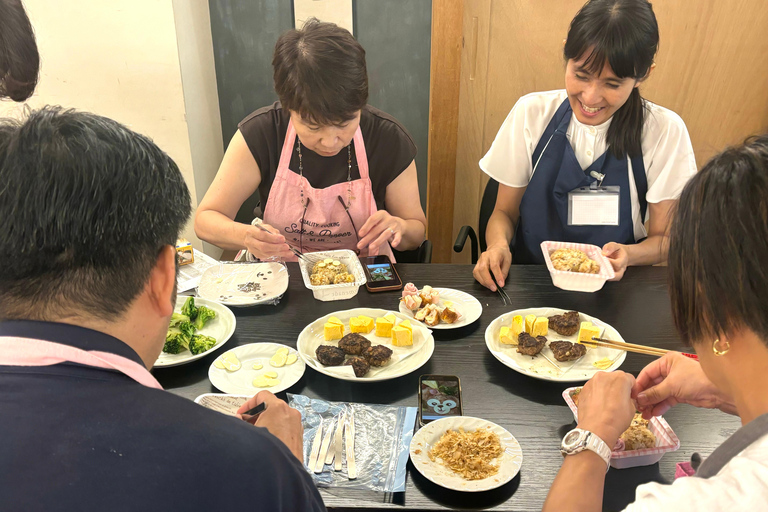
point(349, 175)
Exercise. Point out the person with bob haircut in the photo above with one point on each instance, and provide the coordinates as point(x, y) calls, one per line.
point(19, 58)
point(91, 213)
point(332, 171)
point(718, 284)
point(591, 163)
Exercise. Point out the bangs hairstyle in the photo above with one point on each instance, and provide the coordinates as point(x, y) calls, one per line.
point(623, 33)
point(320, 73)
point(19, 58)
point(718, 253)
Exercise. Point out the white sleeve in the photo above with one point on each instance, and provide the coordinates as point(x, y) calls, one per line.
point(508, 161)
point(667, 155)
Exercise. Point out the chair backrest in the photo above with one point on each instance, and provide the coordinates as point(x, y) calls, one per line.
point(486, 209)
point(422, 254)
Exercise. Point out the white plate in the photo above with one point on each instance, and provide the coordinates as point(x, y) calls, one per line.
point(469, 307)
point(404, 359)
point(240, 382)
point(222, 328)
point(544, 365)
point(221, 283)
point(427, 436)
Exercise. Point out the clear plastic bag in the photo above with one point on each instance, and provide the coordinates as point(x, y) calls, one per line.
point(382, 438)
point(244, 284)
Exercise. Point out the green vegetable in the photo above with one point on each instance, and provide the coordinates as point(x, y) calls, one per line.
point(187, 328)
point(189, 308)
point(201, 343)
point(177, 318)
point(203, 315)
point(176, 340)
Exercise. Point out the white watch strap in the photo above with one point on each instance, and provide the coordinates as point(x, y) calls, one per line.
point(597, 445)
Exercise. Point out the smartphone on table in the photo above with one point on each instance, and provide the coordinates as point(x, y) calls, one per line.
point(439, 397)
point(380, 274)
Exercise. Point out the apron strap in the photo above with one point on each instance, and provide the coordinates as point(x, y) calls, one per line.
point(562, 111)
point(733, 446)
point(641, 183)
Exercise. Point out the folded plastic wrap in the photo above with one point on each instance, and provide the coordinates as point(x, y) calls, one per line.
point(244, 284)
point(382, 437)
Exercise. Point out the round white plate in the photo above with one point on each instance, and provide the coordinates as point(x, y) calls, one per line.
point(469, 307)
point(244, 284)
point(427, 436)
point(404, 359)
point(544, 365)
point(240, 382)
point(221, 328)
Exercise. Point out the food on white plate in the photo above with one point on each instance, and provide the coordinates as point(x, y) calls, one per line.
point(508, 334)
point(573, 260)
point(292, 358)
point(228, 361)
point(449, 315)
point(540, 327)
point(354, 344)
point(603, 364)
point(359, 365)
point(333, 329)
point(361, 323)
point(429, 295)
point(529, 345)
point(472, 455)
point(433, 316)
point(278, 360)
point(566, 324)
point(529, 320)
point(182, 329)
point(330, 271)
point(266, 381)
point(384, 325)
point(412, 302)
point(329, 355)
point(378, 355)
point(402, 336)
point(343, 277)
point(410, 289)
point(271, 375)
point(587, 331)
point(567, 351)
point(258, 366)
point(425, 304)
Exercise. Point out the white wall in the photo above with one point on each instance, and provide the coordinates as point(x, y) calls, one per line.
point(121, 59)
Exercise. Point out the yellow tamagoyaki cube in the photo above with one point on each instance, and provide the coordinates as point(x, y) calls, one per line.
point(384, 327)
point(540, 326)
point(517, 326)
point(367, 323)
point(401, 336)
point(529, 320)
point(406, 324)
point(507, 337)
point(332, 331)
point(587, 331)
point(357, 325)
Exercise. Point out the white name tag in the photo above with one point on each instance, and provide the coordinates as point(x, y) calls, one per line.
point(593, 206)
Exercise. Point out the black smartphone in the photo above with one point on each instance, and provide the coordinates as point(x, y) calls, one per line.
point(439, 397)
point(381, 275)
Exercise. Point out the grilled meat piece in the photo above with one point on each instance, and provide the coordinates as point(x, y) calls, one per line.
point(566, 324)
point(567, 351)
point(358, 364)
point(378, 355)
point(528, 345)
point(354, 344)
point(330, 355)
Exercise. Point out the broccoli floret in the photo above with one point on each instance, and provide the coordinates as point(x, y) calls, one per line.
point(187, 328)
point(177, 318)
point(201, 343)
point(203, 315)
point(176, 341)
point(189, 308)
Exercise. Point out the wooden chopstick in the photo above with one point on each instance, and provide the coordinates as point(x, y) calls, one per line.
point(619, 346)
point(622, 346)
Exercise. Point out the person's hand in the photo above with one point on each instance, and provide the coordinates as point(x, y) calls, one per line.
point(380, 227)
point(605, 405)
point(265, 245)
point(674, 379)
point(282, 421)
point(495, 260)
point(619, 258)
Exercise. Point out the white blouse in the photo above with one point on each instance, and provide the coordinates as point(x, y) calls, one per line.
point(666, 145)
point(742, 484)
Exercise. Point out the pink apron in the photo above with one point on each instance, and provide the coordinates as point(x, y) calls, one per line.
point(326, 225)
point(32, 352)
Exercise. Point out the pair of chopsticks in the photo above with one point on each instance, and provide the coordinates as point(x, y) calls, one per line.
point(294, 251)
point(631, 347)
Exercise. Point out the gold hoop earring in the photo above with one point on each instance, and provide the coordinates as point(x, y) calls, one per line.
point(719, 352)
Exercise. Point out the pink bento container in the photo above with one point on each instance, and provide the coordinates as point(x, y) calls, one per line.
point(576, 281)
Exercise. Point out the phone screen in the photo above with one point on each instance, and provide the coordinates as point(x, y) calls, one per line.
point(440, 397)
point(381, 272)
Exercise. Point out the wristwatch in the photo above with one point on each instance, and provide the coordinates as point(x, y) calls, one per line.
point(578, 440)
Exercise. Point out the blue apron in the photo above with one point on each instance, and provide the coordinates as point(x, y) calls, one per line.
point(544, 207)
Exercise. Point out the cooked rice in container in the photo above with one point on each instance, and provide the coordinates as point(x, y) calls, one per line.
point(470, 454)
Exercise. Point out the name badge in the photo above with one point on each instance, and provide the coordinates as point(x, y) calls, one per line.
point(598, 206)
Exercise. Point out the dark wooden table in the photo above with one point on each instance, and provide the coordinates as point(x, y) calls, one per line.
point(532, 410)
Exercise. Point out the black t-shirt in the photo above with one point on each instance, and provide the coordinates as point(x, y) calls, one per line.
point(81, 438)
point(388, 144)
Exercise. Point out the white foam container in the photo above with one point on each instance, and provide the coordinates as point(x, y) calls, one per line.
point(331, 292)
point(578, 281)
point(666, 441)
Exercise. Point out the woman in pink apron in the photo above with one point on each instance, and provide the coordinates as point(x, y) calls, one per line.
point(332, 171)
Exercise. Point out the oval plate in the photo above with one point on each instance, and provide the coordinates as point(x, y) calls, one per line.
point(469, 307)
point(244, 284)
point(240, 382)
point(434, 471)
point(544, 365)
point(222, 328)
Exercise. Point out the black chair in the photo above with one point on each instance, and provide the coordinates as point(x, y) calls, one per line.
point(486, 209)
point(422, 254)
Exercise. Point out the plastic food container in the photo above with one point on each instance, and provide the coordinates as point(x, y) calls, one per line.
point(577, 281)
point(666, 441)
point(331, 292)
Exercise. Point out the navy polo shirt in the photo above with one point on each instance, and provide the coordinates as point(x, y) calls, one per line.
point(74, 437)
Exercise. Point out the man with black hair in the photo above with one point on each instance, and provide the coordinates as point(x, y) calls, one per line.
point(91, 212)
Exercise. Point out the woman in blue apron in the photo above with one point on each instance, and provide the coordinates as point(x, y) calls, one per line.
point(594, 162)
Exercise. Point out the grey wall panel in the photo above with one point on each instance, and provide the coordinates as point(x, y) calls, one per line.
point(396, 35)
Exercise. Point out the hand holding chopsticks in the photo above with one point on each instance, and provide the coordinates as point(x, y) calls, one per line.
point(631, 347)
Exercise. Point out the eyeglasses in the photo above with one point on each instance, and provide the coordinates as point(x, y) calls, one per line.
point(346, 209)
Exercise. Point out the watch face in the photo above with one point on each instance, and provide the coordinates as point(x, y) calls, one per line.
point(572, 439)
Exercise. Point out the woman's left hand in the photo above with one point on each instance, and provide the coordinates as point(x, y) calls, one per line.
point(379, 228)
point(619, 258)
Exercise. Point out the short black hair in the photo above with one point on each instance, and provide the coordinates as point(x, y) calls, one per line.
point(626, 35)
point(718, 252)
point(19, 58)
point(86, 207)
point(320, 73)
